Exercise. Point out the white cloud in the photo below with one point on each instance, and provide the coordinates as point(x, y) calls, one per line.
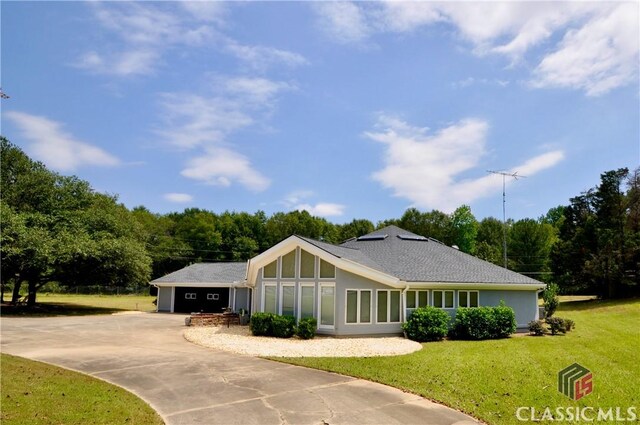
point(322, 209)
point(345, 22)
point(296, 197)
point(598, 57)
point(178, 198)
point(599, 43)
point(223, 167)
point(426, 168)
point(143, 33)
point(57, 148)
point(261, 57)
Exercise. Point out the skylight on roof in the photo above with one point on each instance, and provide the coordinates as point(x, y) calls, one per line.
point(372, 237)
point(412, 238)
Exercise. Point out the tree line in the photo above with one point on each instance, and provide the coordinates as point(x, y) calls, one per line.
point(56, 228)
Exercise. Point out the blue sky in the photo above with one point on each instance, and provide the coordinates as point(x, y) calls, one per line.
point(347, 110)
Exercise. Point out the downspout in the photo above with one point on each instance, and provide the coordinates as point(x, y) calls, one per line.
point(404, 303)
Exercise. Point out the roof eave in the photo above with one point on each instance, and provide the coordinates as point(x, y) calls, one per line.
point(477, 285)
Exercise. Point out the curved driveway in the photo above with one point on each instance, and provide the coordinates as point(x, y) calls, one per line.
point(188, 384)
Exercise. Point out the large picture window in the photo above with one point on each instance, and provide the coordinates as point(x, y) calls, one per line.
point(270, 299)
point(358, 308)
point(270, 270)
point(327, 306)
point(443, 299)
point(306, 300)
point(288, 300)
point(307, 265)
point(388, 310)
point(288, 266)
point(468, 299)
point(327, 270)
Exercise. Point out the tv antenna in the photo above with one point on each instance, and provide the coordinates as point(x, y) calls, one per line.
point(504, 175)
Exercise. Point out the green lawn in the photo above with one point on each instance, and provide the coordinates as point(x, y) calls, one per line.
point(491, 379)
point(71, 304)
point(38, 393)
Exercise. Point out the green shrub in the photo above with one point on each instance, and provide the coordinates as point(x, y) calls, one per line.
point(283, 326)
point(260, 324)
point(569, 324)
point(473, 323)
point(484, 322)
point(306, 328)
point(556, 325)
point(427, 324)
point(551, 300)
point(536, 327)
point(504, 319)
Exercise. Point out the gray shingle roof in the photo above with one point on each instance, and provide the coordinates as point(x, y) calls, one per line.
point(429, 260)
point(206, 273)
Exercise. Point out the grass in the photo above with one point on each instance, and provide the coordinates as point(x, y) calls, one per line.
point(76, 305)
point(38, 393)
point(491, 379)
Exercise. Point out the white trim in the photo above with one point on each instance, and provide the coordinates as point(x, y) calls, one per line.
point(468, 297)
point(453, 299)
point(299, 298)
point(477, 285)
point(282, 286)
point(201, 284)
point(388, 291)
point(293, 241)
point(358, 304)
point(233, 306)
point(330, 285)
point(262, 301)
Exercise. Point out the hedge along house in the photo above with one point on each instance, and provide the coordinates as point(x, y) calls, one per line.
point(204, 287)
point(371, 284)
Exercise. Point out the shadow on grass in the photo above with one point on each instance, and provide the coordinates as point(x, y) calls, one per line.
point(579, 305)
point(55, 309)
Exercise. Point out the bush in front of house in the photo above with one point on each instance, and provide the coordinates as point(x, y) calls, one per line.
point(556, 325)
point(427, 324)
point(536, 327)
point(283, 326)
point(551, 300)
point(306, 328)
point(504, 321)
point(260, 324)
point(484, 322)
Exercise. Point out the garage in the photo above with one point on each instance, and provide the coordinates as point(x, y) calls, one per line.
point(204, 287)
point(204, 300)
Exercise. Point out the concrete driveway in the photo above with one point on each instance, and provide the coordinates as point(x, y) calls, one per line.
point(188, 384)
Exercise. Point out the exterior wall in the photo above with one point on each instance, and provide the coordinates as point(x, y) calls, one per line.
point(242, 299)
point(164, 298)
point(524, 303)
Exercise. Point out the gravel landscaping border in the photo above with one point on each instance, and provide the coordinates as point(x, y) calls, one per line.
point(238, 339)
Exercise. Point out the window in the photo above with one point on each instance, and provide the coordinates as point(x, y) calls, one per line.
point(468, 299)
point(306, 301)
point(443, 299)
point(287, 303)
point(269, 271)
point(417, 299)
point(213, 297)
point(190, 296)
point(388, 306)
point(288, 266)
point(269, 299)
point(307, 265)
point(327, 305)
point(358, 309)
point(327, 270)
